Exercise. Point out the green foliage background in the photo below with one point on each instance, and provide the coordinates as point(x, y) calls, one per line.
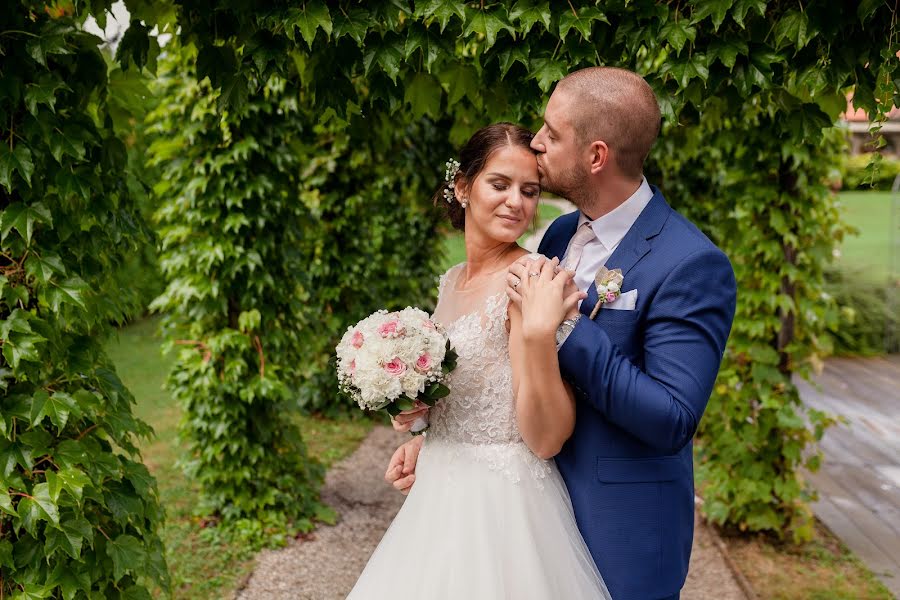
point(300, 144)
point(79, 512)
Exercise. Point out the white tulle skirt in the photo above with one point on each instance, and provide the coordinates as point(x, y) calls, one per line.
point(482, 522)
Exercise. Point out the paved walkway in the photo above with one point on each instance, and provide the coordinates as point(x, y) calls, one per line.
point(859, 482)
point(325, 566)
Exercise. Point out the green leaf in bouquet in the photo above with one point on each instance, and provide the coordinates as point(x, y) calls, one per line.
point(405, 403)
point(437, 390)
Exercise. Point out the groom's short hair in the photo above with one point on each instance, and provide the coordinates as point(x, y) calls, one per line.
point(618, 107)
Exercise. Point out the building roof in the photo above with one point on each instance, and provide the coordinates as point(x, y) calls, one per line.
point(858, 115)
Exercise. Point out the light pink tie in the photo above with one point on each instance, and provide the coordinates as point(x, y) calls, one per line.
point(576, 247)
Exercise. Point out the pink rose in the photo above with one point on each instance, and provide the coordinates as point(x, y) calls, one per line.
point(390, 328)
point(424, 362)
point(610, 296)
point(396, 367)
point(357, 340)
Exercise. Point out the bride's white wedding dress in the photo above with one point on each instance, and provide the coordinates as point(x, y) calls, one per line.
point(486, 519)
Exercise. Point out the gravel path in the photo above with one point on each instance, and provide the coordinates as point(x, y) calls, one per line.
point(326, 566)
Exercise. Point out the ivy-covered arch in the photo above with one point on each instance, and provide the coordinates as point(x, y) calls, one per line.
point(749, 90)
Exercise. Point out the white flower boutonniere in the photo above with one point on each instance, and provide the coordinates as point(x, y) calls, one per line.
point(609, 287)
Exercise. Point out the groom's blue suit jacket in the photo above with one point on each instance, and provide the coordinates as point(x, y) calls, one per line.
point(642, 379)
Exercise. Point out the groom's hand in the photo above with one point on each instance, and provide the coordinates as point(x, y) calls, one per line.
point(401, 471)
point(404, 420)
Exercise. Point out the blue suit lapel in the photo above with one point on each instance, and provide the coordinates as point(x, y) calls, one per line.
point(556, 244)
point(635, 245)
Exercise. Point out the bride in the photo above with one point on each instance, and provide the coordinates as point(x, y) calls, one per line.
point(489, 516)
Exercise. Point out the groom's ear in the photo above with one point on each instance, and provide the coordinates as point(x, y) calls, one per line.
point(599, 156)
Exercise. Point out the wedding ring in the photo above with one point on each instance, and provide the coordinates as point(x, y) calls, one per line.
point(532, 274)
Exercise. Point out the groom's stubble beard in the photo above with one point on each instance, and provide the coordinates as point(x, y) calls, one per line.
point(570, 183)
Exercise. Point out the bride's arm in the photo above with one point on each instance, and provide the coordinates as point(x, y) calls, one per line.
point(545, 404)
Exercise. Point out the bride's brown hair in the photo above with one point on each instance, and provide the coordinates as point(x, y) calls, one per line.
point(472, 158)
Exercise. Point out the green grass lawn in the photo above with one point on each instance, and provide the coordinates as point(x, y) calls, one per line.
point(455, 247)
point(868, 252)
point(200, 568)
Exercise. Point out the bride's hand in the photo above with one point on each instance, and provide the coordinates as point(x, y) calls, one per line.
point(401, 471)
point(548, 297)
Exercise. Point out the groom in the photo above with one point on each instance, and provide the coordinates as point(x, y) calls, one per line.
point(643, 364)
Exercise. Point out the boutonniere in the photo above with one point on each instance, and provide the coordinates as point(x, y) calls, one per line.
point(609, 286)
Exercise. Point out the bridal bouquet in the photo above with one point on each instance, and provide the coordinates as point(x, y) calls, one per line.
point(391, 359)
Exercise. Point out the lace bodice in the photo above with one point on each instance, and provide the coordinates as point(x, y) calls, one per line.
point(479, 413)
point(480, 406)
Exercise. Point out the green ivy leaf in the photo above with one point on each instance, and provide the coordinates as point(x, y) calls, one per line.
point(135, 46)
point(58, 407)
point(69, 291)
point(16, 321)
point(461, 80)
point(488, 24)
point(388, 56)
point(43, 92)
point(583, 22)
point(72, 581)
point(727, 50)
point(22, 218)
point(717, 9)
point(308, 19)
point(510, 56)
point(219, 63)
point(442, 10)
point(14, 453)
point(419, 39)
point(68, 141)
point(140, 478)
point(69, 537)
point(742, 8)
point(136, 592)
point(808, 122)
point(678, 31)
point(354, 22)
point(547, 71)
point(6, 548)
point(74, 480)
point(18, 159)
point(234, 94)
point(43, 46)
point(424, 95)
point(529, 12)
point(7, 507)
point(793, 28)
point(127, 554)
point(694, 67)
point(42, 268)
point(22, 347)
point(42, 499)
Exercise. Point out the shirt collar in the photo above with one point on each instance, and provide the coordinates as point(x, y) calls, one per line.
point(612, 227)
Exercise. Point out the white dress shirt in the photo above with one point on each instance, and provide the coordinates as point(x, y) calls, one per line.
point(609, 229)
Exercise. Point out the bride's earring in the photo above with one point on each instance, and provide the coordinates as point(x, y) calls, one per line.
point(464, 202)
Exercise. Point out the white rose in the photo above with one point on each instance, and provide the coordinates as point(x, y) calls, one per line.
point(612, 286)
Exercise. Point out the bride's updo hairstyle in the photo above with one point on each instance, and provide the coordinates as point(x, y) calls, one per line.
point(472, 159)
